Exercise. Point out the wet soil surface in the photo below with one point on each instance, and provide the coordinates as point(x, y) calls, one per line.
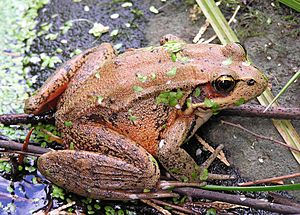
point(269, 33)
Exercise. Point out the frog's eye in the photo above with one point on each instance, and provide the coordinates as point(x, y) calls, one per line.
point(224, 84)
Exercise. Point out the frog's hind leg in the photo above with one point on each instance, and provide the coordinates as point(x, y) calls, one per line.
point(117, 169)
point(46, 97)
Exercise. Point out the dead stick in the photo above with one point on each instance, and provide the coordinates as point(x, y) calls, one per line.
point(177, 207)
point(237, 199)
point(260, 136)
point(257, 111)
point(13, 119)
point(12, 145)
point(244, 110)
point(266, 180)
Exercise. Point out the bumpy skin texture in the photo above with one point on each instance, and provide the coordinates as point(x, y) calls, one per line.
point(116, 123)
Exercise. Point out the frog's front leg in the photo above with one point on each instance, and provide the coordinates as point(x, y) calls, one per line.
point(175, 159)
point(46, 97)
point(117, 169)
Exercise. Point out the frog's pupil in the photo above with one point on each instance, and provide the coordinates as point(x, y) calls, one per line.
point(224, 84)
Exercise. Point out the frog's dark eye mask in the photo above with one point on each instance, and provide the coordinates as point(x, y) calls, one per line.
point(224, 84)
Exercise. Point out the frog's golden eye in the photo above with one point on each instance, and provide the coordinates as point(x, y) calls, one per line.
point(224, 84)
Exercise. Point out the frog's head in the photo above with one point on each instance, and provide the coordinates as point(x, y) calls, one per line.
point(232, 81)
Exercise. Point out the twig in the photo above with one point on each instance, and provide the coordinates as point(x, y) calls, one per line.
point(177, 207)
point(158, 208)
point(260, 136)
point(244, 110)
point(270, 179)
point(221, 155)
point(164, 185)
point(237, 199)
point(257, 111)
point(25, 146)
point(14, 119)
point(277, 198)
point(12, 145)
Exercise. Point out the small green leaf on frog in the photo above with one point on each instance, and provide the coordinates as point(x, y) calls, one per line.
point(146, 190)
point(71, 146)
point(169, 98)
point(153, 76)
point(227, 62)
point(68, 123)
point(184, 179)
point(240, 102)
point(99, 99)
point(141, 78)
point(137, 89)
point(173, 57)
point(132, 118)
point(153, 9)
point(189, 102)
point(204, 175)
point(175, 170)
point(173, 46)
point(197, 92)
point(58, 192)
point(172, 72)
point(97, 75)
point(212, 105)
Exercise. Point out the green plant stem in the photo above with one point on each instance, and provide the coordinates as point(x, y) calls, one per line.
point(253, 188)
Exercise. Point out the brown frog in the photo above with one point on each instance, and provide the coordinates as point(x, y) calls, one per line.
point(117, 113)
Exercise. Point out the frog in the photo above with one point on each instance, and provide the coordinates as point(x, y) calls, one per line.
point(121, 114)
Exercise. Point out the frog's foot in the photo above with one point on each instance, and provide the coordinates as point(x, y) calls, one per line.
point(170, 37)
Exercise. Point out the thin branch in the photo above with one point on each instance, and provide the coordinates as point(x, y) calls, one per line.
point(14, 119)
point(260, 136)
point(244, 110)
point(237, 199)
point(257, 111)
point(12, 145)
point(267, 180)
point(177, 207)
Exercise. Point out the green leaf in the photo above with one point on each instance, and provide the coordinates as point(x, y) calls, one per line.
point(239, 102)
point(137, 89)
point(197, 92)
point(133, 118)
point(99, 99)
point(141, 78)
point(227, 62)
point(172, 72)
point(68, 123)
point(295, 4)
point(153, 76)
point(204, 175)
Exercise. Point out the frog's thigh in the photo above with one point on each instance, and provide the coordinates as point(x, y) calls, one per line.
point(46, 97)
point(120, 169)
point(175, 159)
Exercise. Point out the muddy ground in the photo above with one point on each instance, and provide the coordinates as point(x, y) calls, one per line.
point(270, 32)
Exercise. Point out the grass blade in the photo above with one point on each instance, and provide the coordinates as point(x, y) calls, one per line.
point(295, 4)
point(294, 78)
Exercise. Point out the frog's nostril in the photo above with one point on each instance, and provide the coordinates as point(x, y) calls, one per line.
point(251, 82)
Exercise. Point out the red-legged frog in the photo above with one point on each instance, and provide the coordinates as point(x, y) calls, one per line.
point(119, 113)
